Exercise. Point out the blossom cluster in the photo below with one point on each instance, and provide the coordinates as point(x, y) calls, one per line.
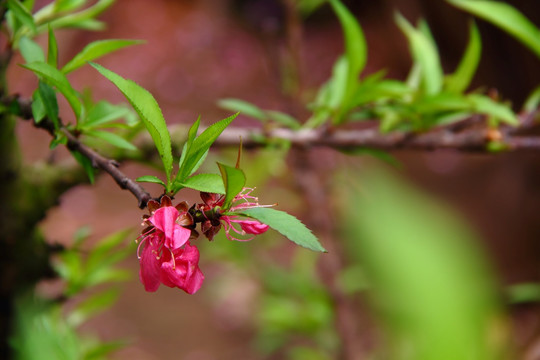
point(166, 251)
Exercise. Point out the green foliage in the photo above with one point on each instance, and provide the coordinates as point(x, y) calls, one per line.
point(150, 113)
point(52, 53)
point(255, 112)
point(196, 148)
point(210, 183)
point(20, 17)
point(355, 56)
point(425, 54)
point(287, 225)
point(150, 179)
point(459, 81)
point(45, 104)
point(295, 305)
point(54, 77)
point(505, 16)
point(45, 327)
point(112, 139)
point(30, 50)
point(81, 273)
point(233, 182)
point(96, 50)
point(429, 282)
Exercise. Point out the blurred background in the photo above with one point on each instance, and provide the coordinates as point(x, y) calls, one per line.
point(268, 299)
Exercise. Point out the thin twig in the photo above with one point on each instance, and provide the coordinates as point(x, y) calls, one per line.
point(98, 161)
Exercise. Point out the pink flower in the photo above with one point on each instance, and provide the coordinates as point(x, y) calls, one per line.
point(244, 200)
point(165, 254)
point(178, 268)
point(164, 220)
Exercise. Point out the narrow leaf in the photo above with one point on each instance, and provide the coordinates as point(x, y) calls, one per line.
point(55, 78)
point(112, 139)
point(461, 78)
point(38, 108)
point(22, 14)
point(505, 16)
point(425, 54)
point(243, 107)
point(52, 54)
point(287, 225)
point(86, 163)
point(210, 183)
point(91, 306)
point(283, 119)
point(95, 50)
point(68, 5)
point(233, 181)
point(532, 101)
point(148, 109)
point(81, 19)
point(150, 179)
point(355, 43)
point(486, 105)
point(47, 97)
point(199, 147)
point(30, 50)
point(102, 113)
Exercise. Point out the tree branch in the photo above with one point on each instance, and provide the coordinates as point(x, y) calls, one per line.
point(466, 136)
point(98, 161)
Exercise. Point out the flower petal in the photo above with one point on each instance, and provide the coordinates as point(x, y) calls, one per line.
point(150, 265)
point(164, 219)
point(253, 226)
point(184, 271)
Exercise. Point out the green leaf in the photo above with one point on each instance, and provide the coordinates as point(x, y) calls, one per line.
point(150, 179)
point(210, 183)
point(287, 225)
point(22, 14)
point(38, 108)
point(91, 306)
point(283, 119)
point(425, 54)
point(430, 283)
point(83, 19)
point(199, 147)
point(330, 95)
point(148, 109)
point(112, 139)
point(244, 108)
point(95, 50)
point(52, 54)
point(68, 5)
point(486, 105)
point(532, 101)
point(505, 16)
point(233, 181)
point(459, 81)
point(102, 113)
point(86, 163)
point(355, 47)
point(55, 78)
point(30, 50)
point(47, 98)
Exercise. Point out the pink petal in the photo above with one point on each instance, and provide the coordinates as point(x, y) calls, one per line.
point(180, 237)
point(150, 265)
point(253, 227)
point(164, 219)
point(184, 272)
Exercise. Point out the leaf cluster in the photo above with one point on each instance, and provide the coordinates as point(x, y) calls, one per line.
point(428, 98)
